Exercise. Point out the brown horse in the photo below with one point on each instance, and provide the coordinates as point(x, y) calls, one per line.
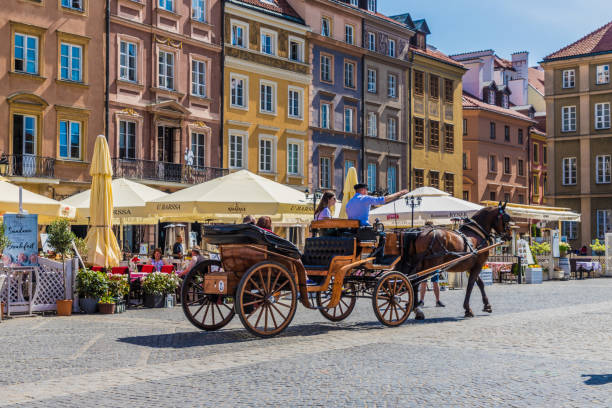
point(436, 246)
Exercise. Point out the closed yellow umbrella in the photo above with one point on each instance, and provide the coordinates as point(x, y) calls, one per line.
point(102, 247)
point(349, 190)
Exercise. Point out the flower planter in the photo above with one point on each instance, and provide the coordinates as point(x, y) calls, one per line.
point(486, 274)
point(89, 305)
point(154, 301)
point(64, 307)
point(533, 275)
point(107, 308)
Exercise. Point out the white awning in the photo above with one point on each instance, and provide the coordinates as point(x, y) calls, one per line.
point(537, 212)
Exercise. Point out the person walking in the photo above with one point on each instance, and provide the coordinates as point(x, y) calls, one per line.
point(436, 289)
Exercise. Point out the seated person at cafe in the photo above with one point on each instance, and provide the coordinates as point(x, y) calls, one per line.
point(358, 207)
point(177, 248)
point(157, 260)
point(196, 257)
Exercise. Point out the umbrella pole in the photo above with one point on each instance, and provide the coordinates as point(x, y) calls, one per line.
point(121, 234)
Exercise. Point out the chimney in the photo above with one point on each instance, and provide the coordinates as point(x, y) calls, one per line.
point(520, 78)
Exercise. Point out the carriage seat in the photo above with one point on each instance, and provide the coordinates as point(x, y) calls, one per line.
point(249, 234)
point(319, 251)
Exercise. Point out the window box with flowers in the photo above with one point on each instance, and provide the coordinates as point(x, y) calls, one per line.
point(157, 287)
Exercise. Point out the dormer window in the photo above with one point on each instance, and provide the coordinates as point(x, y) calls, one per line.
point(492, 96)
point(372, 6)
point(505, 101)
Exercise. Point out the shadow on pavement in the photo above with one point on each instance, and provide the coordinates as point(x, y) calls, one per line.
point(597, 379)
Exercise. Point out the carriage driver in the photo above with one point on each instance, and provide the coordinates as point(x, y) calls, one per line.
point(358, 207)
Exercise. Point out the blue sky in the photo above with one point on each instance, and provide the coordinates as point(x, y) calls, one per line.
point(538, 26)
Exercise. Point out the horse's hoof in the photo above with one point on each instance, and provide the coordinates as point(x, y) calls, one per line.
point(468, 313)
point(488, 309)
point(419, 315)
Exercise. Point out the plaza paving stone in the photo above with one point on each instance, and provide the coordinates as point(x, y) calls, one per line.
point(545, 346)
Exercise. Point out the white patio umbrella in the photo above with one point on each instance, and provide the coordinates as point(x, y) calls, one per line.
point(436, 206)
point(46, 208)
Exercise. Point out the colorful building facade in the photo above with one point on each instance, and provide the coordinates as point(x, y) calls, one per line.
point(266, 91)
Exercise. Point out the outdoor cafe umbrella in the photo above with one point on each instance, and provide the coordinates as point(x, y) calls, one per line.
point(436, 206)
point(348, 191)
point(46, 208)
point(102, 247)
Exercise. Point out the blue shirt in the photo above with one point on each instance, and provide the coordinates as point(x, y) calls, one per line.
point(358, 207)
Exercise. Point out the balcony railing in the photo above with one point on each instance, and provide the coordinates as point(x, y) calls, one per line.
point(25, 165)
point(164, 171)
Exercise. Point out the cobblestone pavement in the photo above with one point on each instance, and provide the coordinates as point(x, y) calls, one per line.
point(545, 346)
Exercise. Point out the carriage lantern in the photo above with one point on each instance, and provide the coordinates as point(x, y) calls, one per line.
point(413, 202)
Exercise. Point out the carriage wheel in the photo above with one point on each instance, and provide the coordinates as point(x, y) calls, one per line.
point(266, 299)
point(393, 299)
point(206, 312)
point(344, 308)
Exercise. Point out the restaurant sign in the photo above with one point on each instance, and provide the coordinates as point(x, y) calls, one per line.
point(21, 230)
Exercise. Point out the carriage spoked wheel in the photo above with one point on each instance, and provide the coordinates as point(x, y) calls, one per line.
point(344, 308)
point(266, 299)
point(393, 299)
point(204, 311)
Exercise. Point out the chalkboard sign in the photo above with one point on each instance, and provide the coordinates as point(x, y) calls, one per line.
point(21, 230)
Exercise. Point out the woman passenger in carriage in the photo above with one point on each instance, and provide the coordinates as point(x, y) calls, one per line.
point(323, 211)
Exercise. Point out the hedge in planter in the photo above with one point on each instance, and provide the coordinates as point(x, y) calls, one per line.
point(156, 286)
point(118, 287)
point(91, 286)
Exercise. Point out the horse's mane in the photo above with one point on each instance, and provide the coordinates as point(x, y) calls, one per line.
point(482, 217)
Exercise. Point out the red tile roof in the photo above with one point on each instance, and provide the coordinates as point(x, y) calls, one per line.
point(277, 6)
point(503, 63)
point(599, 40)
point(437, 55)
point(472, 102)
point(536, 79)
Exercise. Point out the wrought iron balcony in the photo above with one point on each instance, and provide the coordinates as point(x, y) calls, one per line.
point(164, 171)
point(26, 165)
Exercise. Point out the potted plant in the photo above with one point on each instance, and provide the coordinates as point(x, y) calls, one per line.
point(60, 238)
point(564, 248)
point(91, 286)
point(106, 305)
point(598, 248)
point(156, 286)
point(118, 287)
point(4, 241)
point(533, 274)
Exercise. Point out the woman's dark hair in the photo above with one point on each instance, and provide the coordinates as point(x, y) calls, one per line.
point(157, 250)
point(249, 219)
point(328, 195)
point(265, 222)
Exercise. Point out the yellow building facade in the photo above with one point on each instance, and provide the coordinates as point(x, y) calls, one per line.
point(266, 92)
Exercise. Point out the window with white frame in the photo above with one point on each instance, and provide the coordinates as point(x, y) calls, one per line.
point(349, 75)
point(266, 146)
point(70, 139)
point(26, 53)
point(268, 42)
point(239, 35)
point(73, 4)
point(197, 147)
point(371, 41)
point(391, 48)
point(569, 171)
point(568, 119)
point(372, 176)
point(354, 2)
point(569, 78)
point(372, 124)
point(127, 139)
point(603, 74)
point(372, 5)
point(325, 27)
point(198, 10)
point(392, 179)
point(604, 224)
point(391, 128)
point(325, 68)
point(293, 159)
point(569, 229)
point(392, 86)
point(325, 115)
point(198, 78)
point(236, 151)
point(166, 70)
point(238, 91)
point(267, 97)
point(127, 61)
point(325, 172)
point(349, 34)
point(296, 50)
point(163, 4)
point(71, 62)
point(348, 120)
point(603, 169)
point(602, 115)
point(295, 103)
point(372, 80)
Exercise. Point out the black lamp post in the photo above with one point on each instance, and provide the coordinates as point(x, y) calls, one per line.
point(315, 191)
point(413, 202)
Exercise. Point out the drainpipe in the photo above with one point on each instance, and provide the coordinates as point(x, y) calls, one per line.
point(529, 168)
point(363, 159)
point(222, 101)
point(107, 71)
point(409, 91)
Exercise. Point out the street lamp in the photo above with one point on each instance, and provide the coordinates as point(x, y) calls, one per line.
point(413, 202)
point(315, 193)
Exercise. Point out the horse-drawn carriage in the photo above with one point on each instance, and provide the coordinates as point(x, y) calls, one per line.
point(261, 277)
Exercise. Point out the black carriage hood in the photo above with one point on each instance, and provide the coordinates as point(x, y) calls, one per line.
point(249, 234)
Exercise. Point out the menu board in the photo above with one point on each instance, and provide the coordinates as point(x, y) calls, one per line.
point(523, 250)
point(21, 230)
